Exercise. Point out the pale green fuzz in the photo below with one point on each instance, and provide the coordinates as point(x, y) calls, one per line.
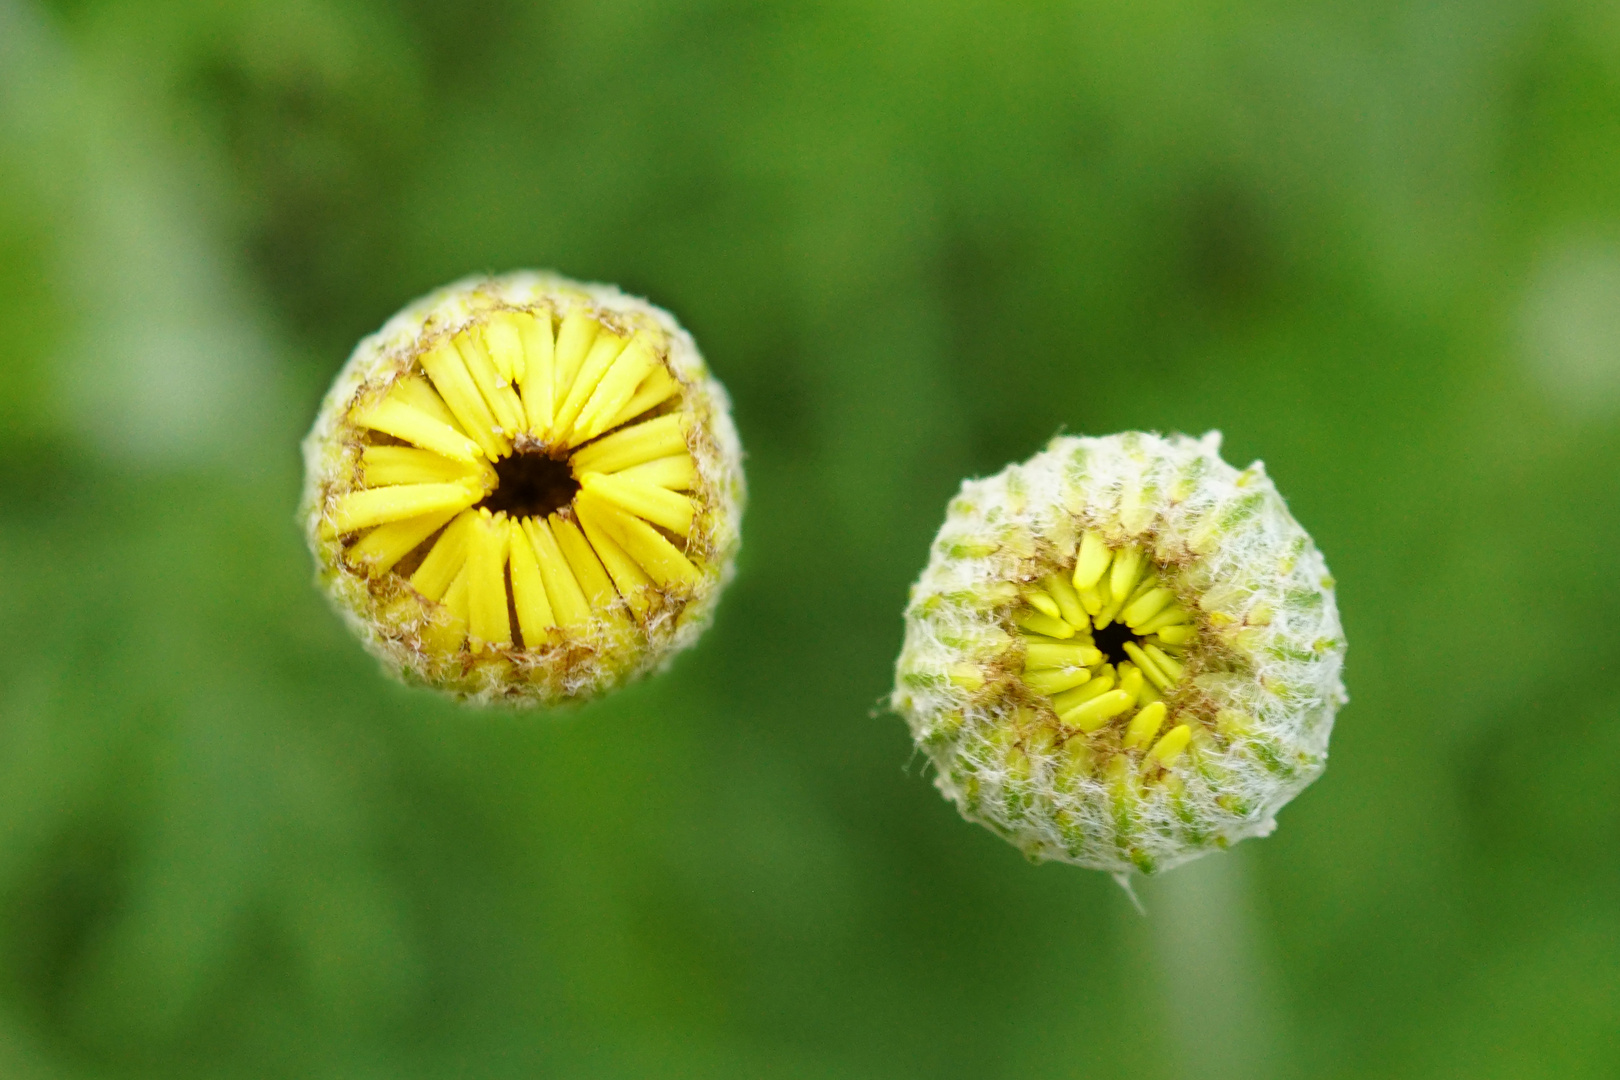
point(1123, 653)
point(525, 489)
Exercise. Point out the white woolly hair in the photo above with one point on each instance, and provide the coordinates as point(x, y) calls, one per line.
point(590, 662)
point(1262, 680)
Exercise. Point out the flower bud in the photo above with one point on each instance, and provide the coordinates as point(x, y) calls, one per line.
point(1122, 653)
point(524, 488)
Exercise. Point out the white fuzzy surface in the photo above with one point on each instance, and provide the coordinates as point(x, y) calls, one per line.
point(585, 664)
point(1261, 687)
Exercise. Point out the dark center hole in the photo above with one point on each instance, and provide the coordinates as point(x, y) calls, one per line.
point(531, 484)
point(1111, 641)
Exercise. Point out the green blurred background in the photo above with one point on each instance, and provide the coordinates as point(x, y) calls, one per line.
point(1376, 244)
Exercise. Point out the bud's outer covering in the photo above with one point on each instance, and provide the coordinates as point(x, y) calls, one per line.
point(524, 488)
point(1123, 653)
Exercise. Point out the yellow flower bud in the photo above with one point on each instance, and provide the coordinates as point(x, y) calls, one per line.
point(1123, 653)
point(524, 488)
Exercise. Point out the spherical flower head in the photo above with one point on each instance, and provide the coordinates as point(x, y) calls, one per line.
point(1123, 653)
point(524, 488)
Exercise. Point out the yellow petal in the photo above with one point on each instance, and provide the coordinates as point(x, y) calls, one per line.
point(582, 560)
point(643, 543)
point(1174, 742)
point(1093, 714)
point(375, 506)
point(1173, 615)
point(1123, 574)
point(645, 441)
point(568, 601)
point(497, 393)
point(1109, 613)
point(604, 350)
point(1093, 559)
point(1068, 601)
point(445, 559)
point(618, 385)
point(1042, 602)
point(1149, 668)
point(1144, 725)
point(444, 365)
point(632, 582)
point(678, 472)
point(1171, 668)
point(447, 625)
point(535, 619)
point(1139, 611)
point(418, 393)
point(487, 621)
point(1099, 685)
point(1038, 656)
point(539, 374)
point(378, 550)
point(574, 339)
point(394, 417)
point(1175, 635)
point(1056, 680)
point(1039, 623)
point(1130, 681)
point(382, 466)
point(654, 390)
point(658, 505)
point(503, 340)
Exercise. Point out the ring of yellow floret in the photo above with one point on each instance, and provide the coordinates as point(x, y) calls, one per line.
point(1117, 705)
point(583, 390)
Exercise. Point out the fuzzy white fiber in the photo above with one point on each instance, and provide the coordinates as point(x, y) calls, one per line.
point(582, 664)
point(1262, 679)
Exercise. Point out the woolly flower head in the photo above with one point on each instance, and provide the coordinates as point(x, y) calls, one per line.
point(524, 488)
point(1123, 653)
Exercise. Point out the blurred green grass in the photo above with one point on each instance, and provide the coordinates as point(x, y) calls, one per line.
point(1377, 246)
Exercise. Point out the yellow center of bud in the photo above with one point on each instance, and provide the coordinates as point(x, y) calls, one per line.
point(1105, 643)
point(530, 476)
